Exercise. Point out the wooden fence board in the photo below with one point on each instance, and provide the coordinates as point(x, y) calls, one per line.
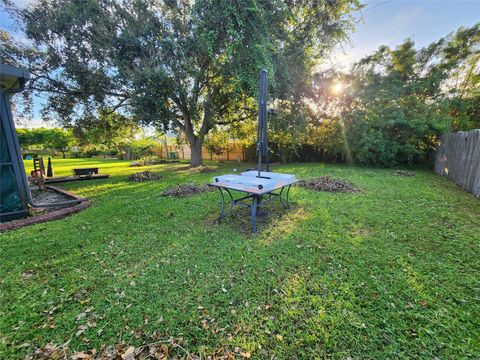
point(235, 152)
point(458, 158)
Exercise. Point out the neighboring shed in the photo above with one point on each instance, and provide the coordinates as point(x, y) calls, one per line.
point(13, 199)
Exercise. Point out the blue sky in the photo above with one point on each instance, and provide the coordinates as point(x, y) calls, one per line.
point(381, 22)
point(390, 22)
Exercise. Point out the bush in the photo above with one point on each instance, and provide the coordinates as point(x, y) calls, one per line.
point(90, 150)
point(141, 148)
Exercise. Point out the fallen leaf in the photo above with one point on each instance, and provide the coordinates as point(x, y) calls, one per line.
point(129, 354)
point(81, 356)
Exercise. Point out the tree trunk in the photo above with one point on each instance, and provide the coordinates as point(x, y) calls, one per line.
point(195, 140)
point(196, 153)
point(166, 148)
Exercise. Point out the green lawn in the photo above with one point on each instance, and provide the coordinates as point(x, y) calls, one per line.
point(391, 272)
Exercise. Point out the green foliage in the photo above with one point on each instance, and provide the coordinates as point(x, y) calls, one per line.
point(217, 141)
point(90, 150)
point(287, 126)
point(43, 138)
point(400, 100)
point(107, 133)
point(244, 132)
point(327, 137)
point(26, 138)
point(142, 147)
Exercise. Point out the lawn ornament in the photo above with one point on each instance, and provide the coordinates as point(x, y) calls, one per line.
point(49, 168)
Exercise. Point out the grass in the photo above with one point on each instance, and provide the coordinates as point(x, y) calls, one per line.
point(391, 272)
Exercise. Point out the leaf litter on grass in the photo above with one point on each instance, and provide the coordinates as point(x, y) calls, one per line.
point(158, 348)
point(329, 184)
point(403, 173)
point(183, 190)
point(145, 176)
point(197, 169)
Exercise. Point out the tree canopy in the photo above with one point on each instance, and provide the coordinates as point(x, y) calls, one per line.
point(55, 138)
point(175, 64)
point(399, 100)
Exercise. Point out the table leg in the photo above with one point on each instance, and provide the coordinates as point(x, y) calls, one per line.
point(223, 211)
point(254, 213)
point(285, 203)
point(287, 197)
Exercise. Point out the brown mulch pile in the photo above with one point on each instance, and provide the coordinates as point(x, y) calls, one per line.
point(404, 173)
point(327, 183)
point(145, 176)
point(186, 190)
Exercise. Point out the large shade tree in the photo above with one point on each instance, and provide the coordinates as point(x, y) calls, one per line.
point(188, 65)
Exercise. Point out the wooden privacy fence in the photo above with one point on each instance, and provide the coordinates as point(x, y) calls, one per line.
point(233, 152)
point(458, 157)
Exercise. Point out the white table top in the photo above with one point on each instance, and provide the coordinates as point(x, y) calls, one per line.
point(253, 185)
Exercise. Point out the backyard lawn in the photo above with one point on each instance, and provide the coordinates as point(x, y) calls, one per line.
point(389, 272)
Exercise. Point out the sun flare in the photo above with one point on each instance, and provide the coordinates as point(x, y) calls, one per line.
point(337, 88)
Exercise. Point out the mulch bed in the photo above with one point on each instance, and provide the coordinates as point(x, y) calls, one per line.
point(145, 176)
point(329, 184)
point(404, 173)
point(186, 190)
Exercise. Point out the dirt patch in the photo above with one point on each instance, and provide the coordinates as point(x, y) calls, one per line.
point(329, 184)
point(145, 176)
point(186, 190)
point(49, 196)
point(404, 173)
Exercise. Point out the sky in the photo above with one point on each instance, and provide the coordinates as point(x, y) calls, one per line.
point(381, 22)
